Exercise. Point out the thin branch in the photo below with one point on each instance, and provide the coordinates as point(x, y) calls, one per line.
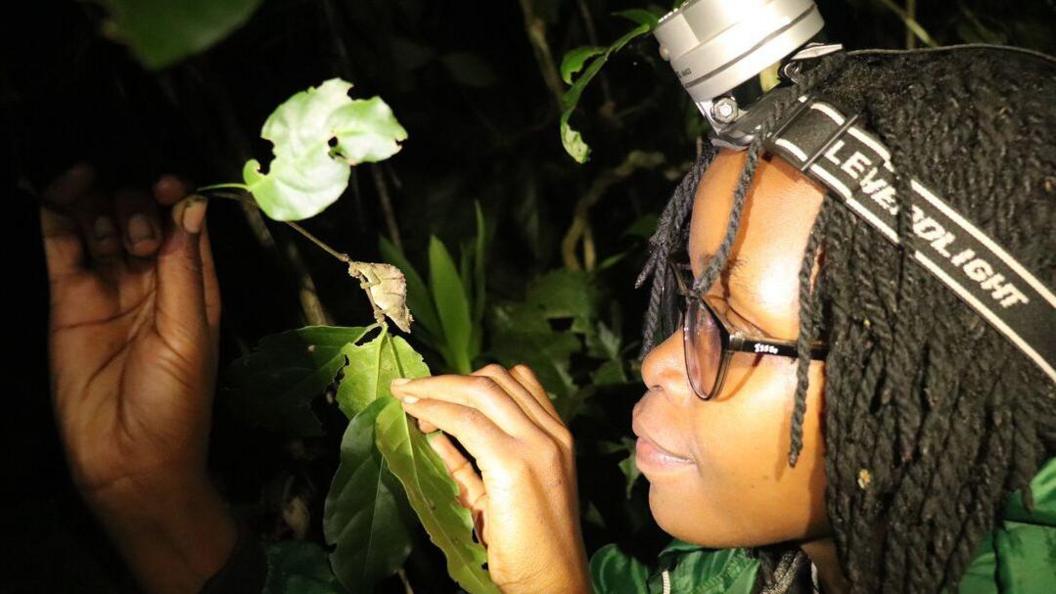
point(341, 257)
point(592, 36)
point(580, 227)
point(535, 27)
point(386, 204)
point(911, 23)
point(911, 11)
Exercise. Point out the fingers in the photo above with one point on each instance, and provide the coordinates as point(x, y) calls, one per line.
point(181, 310)
point(137, 216)
point(531, 383)
point(170, 189)
point(479, 393)
point(519, 392)
point(481, 437)
point(63, 248)
point(470, 485)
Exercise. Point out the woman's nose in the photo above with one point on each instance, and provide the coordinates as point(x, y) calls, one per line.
point(664, 369)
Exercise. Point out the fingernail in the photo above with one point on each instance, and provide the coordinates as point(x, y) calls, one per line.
point(190, 214)
point(139, 228)
point(104, 228)
point(409, 399)
point(400, 381)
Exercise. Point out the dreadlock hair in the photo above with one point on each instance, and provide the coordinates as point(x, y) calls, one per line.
point(932, 419)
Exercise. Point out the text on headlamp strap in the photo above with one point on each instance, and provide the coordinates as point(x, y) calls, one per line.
point(840, 153)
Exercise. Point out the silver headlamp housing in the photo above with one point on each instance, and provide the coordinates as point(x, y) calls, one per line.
point(716, 46)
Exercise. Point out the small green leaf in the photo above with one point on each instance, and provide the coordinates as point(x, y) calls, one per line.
point(307, 174)
point(371, 368)
point(274, 385)
point(365, 515)
point(161, 33)
point(574, 60)
point(452, 306)
point(299, 567)
point(570, 138)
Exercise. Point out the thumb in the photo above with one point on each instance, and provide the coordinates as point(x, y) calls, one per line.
point(180, 308)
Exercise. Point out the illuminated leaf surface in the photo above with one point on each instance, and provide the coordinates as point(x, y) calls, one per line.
point(371, 368)
point(316, 135)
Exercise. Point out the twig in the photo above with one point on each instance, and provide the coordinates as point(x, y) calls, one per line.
point(580, 227)
point(314, 312)
point(911, 11)
point(407, 589)
point(535, 27)
point(911, 23)
point(248, 202)
point(386, 205)
point(592, 36)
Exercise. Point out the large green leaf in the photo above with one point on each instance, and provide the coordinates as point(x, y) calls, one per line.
point(614, 572)
point(274, 385)
point(162, 32)
point(309, 173)
point(365, 515)
point(299, 567)
point(434, 497)
point(452, 305)
point(371, 368)
point(573, 62)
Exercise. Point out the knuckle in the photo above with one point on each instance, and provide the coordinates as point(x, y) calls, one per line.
point(482, 385)
point(491, 369)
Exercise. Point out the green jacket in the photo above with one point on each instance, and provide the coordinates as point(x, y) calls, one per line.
point(1017, 558)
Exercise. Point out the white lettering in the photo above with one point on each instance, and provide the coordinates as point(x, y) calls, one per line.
point(855, 164)
point(978, 270)
point(831, 153)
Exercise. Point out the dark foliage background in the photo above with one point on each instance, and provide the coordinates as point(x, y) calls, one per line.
point(463, 78)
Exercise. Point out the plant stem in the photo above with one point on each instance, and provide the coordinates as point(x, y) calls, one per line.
point(535, 27)
point(341, 257)
point(911, 11)
point(248, 201)
point(911, 23)
point(580, 228)
point(242, 187)
point(386, 205)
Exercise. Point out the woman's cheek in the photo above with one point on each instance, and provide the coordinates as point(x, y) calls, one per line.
point(744, 493)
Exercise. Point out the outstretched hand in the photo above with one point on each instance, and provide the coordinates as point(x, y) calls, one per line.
point(524, 498)
point(135, 310)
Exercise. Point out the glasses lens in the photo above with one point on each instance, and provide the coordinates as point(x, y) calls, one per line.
point(703, 348)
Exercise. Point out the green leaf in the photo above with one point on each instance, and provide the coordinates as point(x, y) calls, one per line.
point(452, 306)
point(161, 33)
point(574, 60)
point(365, 514)
point(571, 139)
point(275, 384)
point(641, 16)
point(307, 174)
point(434, 497)
point(418, 298)
point(614, 572)
point(371, 368)
point(299, 567)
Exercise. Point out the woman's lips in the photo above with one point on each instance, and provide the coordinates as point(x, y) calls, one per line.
point(650, 457)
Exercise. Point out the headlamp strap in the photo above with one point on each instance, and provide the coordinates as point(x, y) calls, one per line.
point(840, 153)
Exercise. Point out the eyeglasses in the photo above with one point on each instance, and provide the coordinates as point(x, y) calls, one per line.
point(710, 340)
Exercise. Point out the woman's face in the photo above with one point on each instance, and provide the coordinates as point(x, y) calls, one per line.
point(718, 470)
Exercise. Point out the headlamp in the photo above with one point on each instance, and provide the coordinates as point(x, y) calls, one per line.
point(720, 50)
